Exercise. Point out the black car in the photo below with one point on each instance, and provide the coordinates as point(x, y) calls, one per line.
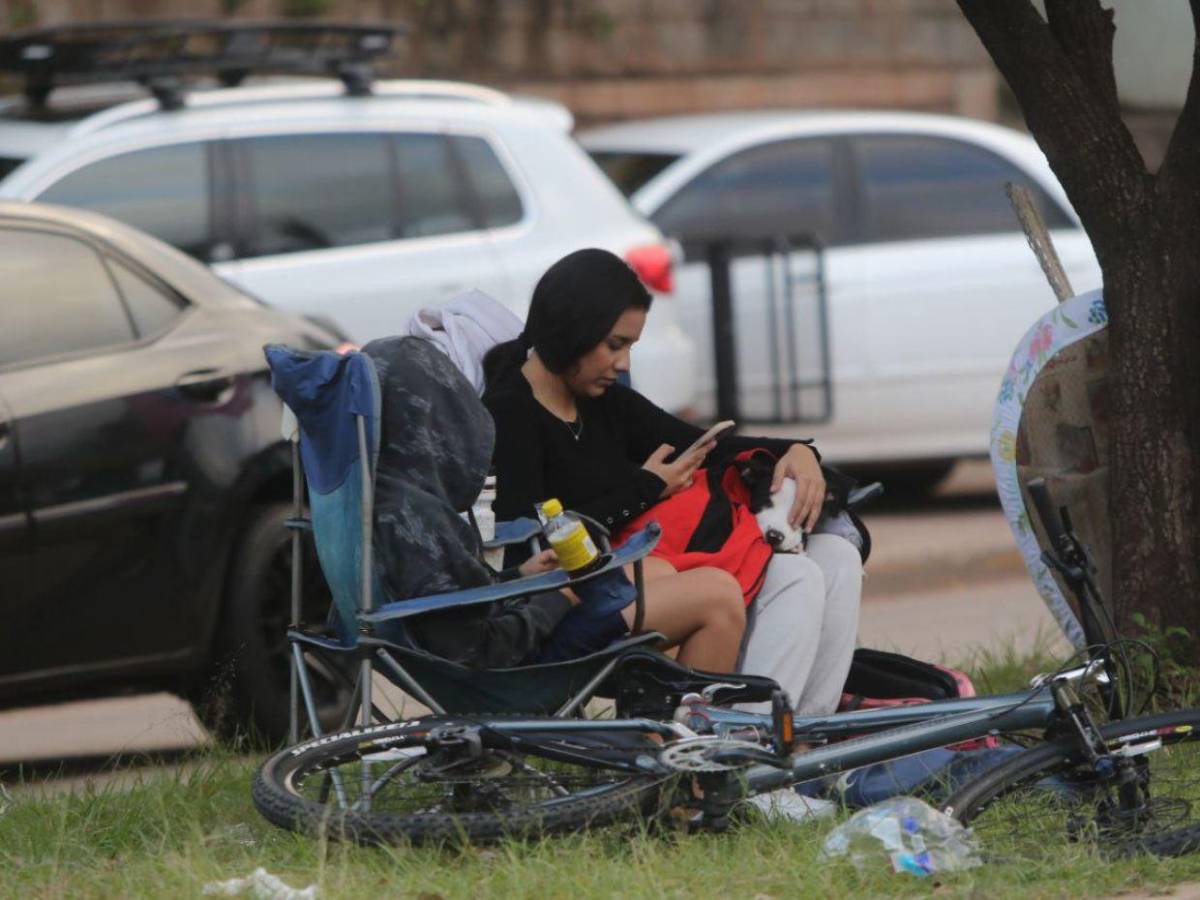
point(143, 477)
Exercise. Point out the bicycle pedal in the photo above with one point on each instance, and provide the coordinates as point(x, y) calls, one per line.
point(783, 724)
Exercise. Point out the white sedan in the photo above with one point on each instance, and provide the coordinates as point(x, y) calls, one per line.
point(928, 280)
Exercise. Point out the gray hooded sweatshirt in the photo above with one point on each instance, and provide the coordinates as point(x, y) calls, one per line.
point(435, 450)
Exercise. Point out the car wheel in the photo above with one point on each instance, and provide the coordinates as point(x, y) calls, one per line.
point(247, 692)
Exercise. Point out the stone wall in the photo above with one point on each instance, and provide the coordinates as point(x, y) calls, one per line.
point(610, 59)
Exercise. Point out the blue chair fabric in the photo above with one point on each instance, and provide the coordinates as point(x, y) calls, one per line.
point(328, 393)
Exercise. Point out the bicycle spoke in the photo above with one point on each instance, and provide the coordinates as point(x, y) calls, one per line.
point(438, 779)
point(1078, 810)
point(387, 776)
point(532, 770)
point(420, 784)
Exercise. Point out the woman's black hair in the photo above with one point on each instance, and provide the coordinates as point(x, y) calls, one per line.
point(574, 307)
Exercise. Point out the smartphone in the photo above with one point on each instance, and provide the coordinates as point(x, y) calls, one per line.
point(712, 434)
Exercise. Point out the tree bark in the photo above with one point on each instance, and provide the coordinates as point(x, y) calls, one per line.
point(1144, 229)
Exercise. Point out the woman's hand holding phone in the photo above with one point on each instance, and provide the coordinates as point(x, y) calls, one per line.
point(677, 474)
point(708, 440)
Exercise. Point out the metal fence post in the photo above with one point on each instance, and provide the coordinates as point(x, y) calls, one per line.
point(724, 349)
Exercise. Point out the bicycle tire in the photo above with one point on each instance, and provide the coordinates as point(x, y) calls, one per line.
point(1050, 773)
point(283, 787)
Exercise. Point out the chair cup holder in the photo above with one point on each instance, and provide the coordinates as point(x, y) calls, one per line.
point(594, 566)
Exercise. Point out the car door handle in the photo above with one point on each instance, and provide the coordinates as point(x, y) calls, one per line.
point(206, 385)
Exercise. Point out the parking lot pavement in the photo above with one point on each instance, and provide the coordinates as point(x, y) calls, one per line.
point(99, 727)
point(125, 725)
point(944, 580)
point(916, 551)
point(953, 624)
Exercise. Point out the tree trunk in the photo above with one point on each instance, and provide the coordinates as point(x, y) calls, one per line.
point(1144, 229)
point(1154, 385)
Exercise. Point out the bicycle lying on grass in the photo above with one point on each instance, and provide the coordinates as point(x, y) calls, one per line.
point(1127, 786)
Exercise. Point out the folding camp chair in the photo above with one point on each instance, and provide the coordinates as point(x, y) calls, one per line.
point(336, 402)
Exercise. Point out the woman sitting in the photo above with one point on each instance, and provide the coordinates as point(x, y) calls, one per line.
point(566, 427)
point(435, 449)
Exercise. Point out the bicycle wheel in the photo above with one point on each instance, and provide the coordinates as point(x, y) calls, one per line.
point(441, 778)
point(1049, 802)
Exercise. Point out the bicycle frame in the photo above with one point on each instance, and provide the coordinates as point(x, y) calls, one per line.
point(881, 734)
point(895, 735)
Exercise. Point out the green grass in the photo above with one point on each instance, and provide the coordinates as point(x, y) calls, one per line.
point(192, 823)
point(1004, 669)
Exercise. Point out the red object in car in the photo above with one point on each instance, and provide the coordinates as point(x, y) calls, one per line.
point(653, 264)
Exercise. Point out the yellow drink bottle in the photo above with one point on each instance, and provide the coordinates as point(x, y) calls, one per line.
point(568, 537)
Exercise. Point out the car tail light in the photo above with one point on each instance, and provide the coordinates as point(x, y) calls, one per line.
point(653, 264)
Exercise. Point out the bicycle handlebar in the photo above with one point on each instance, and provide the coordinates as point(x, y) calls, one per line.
point(1052, 521)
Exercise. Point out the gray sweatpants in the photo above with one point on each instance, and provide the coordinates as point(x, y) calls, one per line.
point(804, 624)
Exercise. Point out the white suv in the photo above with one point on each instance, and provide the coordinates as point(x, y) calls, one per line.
point(928, 280)
point(357, 210)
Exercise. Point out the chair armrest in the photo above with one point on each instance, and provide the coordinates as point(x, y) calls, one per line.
point(638, 546)
point(518, 531)
point(864, 495)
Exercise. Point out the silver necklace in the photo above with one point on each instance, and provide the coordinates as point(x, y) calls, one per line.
point(576, 427)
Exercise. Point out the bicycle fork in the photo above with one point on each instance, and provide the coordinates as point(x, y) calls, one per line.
point(1123, 769)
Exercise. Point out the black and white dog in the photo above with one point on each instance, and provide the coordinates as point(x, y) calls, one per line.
point(838, 517)
point(771, 510)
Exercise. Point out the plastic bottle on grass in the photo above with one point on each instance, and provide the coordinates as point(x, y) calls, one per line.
point(909, 834)
point(570, 539)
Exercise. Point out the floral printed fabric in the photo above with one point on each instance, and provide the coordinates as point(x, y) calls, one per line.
point(1072, 320)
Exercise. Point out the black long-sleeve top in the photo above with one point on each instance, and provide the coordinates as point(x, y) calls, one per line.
point(599, 472)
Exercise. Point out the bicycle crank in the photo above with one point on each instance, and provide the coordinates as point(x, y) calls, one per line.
point(712, 753)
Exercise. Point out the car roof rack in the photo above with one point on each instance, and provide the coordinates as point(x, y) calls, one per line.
point(159, 55)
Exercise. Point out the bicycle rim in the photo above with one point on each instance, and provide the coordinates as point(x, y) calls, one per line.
point(1050, 804)
point(392, 784)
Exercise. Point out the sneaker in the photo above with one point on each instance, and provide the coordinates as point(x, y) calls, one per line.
point(785, 803)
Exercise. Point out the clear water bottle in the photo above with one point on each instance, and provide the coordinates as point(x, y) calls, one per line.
point(485, 521)
point(569, 538)
point(909, 834)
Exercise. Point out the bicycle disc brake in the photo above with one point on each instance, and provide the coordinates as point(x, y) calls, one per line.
point(697, 754)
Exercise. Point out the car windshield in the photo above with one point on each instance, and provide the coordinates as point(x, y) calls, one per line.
point(630, 170)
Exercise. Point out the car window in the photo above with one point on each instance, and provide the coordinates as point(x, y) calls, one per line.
point(319, 190)
point(161, 190)
point(8, 163)
point(630, 170)
point(432, 196)
point(57, 298)
point(499, 202)
point(915, 186)
point(151, 308)
point(782, 188)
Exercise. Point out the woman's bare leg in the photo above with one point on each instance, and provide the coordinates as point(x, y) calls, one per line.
point(701, 610)
point(652, 568)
